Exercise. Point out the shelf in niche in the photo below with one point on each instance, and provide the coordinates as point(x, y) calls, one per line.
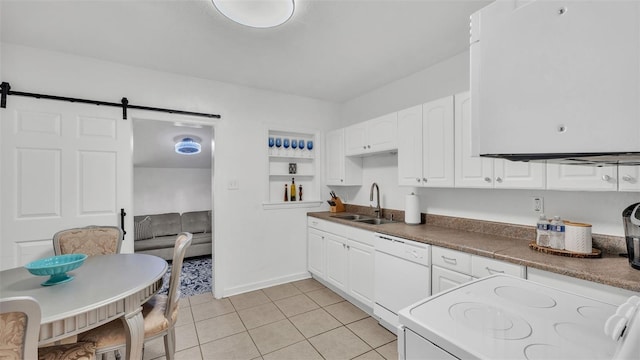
point(288, 176)
point(291, 157)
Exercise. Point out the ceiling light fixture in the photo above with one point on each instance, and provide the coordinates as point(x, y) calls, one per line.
point(187, 145)
point(256, 13)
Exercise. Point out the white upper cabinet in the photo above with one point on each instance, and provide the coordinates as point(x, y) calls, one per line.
point(425, 144)
point(373, 136)
point(582, 177)
point(340, 170)
point(478, 172)
point(629, 178)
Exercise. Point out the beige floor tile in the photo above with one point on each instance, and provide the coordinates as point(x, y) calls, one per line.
point(297, 351)
point(314, 322)
point(260, 315)
point(184, 302)
point(281, 291)
point(184, 316)
point(389, 351)
point(371, 332)
point(238, 346)
point(339, 343)
point(307, 285)
point(346, 312)
point(275, 336)
point(371, 355)
point(249, 299)
point(193, 353)
point(186, 337)
point(211, 309)
point(200, 298)
point(324, 297)
point(219, 327)
point(296, 305)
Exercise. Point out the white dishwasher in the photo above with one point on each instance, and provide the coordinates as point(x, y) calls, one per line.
point(402, 277)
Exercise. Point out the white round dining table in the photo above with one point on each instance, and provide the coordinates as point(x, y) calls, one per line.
point(104, 288)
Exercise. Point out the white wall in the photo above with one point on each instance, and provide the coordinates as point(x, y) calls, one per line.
point(602, 209)
point(162, 190)
point(257, 247)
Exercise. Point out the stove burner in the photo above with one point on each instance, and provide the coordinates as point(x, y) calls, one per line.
point(596, 313)
point(490, 321)
point(593, 341)
point(525, 297)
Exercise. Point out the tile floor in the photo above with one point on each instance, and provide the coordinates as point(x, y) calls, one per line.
point(299, 320)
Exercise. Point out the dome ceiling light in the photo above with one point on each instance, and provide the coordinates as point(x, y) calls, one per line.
point(187, 145)
point(256, 13)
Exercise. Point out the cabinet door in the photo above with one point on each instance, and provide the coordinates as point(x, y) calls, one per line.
point(315, 252)
point(443, 279)
point(519, 174)
point(410, 146)
point(355, 137)
point(336, 270)
point(361, 267)
point(334, 163)
point(382, 133)
point(629, 178)
point(438, 147)
point(470, 171)
point(582, 177)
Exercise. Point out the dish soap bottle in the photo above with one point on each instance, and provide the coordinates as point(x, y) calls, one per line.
point(542, 231)
point(556, 236)
point(293, 190)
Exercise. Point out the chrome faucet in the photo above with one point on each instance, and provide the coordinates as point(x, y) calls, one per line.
point(377, 210)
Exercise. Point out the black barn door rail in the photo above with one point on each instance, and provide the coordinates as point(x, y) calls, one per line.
point(5, 87)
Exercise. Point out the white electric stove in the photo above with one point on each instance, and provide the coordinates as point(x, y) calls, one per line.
point(503, 317)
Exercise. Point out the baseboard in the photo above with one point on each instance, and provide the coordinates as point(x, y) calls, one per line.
point(265, 284)
point(349, 298)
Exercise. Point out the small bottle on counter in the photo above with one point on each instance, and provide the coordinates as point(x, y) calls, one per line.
point(292, 195)
point(556, 235)
point(300, 193)
point(286, 189)
point(542, 231)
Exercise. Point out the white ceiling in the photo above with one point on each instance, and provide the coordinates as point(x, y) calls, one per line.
point(330, 50)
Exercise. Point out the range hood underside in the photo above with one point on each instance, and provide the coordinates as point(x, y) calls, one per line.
point(613, 158)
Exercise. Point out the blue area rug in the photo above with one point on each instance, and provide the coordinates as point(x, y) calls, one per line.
point(195, 278)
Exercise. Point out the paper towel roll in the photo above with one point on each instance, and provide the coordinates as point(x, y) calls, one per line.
point(412, 209)
point(577, 237)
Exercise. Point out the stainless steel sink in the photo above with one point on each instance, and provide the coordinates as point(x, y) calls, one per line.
point(375, 221)
point(354, 217)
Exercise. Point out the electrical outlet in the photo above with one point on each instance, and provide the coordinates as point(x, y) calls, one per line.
point(538, 204)
point(233, 184)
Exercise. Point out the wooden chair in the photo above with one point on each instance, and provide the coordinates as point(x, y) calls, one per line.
point(19, 331)
point(91, 240)
point(160, 313)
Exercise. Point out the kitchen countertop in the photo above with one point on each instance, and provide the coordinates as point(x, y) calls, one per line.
point(610, 269)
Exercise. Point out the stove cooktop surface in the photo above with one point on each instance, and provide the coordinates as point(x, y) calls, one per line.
point(503, 317)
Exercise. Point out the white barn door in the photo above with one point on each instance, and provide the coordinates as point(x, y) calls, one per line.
point(62, 165)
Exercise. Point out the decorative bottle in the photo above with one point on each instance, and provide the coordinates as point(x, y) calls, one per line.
point(292, 194)
point(300, 193)
point(542, 231)
point(556, 236)
point(286, 196)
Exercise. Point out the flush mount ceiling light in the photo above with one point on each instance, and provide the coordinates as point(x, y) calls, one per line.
point(187, 145)
point(256, 13)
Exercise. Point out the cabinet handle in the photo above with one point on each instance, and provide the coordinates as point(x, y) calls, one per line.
point(348, 247)
point(344, 245)
point(487, 179)
point(606, 177)
point(418, 179)
point(492, 271)
point(341, 180)
point(627, 178)
point(449, 260)
point(499, 179)
point(369, 146)
point(364, 147)
point(424, 179)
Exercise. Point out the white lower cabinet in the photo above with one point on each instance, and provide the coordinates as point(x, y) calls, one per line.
point(444, 279)
point(343, 256)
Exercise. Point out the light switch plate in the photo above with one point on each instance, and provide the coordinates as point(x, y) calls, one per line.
point(233, 184)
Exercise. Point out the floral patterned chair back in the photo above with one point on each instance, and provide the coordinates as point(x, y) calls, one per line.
point(90, 240)
point(20, 329)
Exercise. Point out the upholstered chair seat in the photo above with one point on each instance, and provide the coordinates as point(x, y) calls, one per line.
point(19, 331)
